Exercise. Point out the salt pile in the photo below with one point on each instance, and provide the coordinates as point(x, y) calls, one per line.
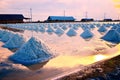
point(118, 30)
point(112, 36)
point(71, 32)
point(64, 27)
point(114, 27)
point(75, 27)
point(32, 52)
point(59, 32)
point(7, 36)
point(15, 42)
point(50, 30)
point(92, 26)
point(41, 29)
point(102, 29)
point(2, 32)
point(87, 34)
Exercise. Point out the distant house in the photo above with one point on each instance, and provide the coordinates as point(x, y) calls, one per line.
point(12, 18)
point(108, 19)
point(87, 19)
point(60, 19)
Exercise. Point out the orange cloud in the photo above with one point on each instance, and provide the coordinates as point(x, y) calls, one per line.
point(116, 0)
point(117, 6)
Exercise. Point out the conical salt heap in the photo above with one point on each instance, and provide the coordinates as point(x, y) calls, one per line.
point(87, 34)
point(50, 30)
point(71, 32)
point(112, 36)
point(42, 29)
point(32, 52)
point(118, 30)
point(102, 29)
point(92, 26)
point(15, 42)
point(59, 32)
point(7, 36)
point(2, 32)
point(64, 27)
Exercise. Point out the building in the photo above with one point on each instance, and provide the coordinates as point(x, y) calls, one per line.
point(87, 19)
point(108, 19)
point(12, 18)
point(60, 19)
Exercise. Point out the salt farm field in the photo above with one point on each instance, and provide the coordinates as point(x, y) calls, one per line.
point(72, 51)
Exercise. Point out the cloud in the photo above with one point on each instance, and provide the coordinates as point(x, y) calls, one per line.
point(117, 6)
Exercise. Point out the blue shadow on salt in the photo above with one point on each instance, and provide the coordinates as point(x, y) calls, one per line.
point(2, 32)
point(114, 27)
point(118, 30)
point(42, 30)
point(112, 36)
point(87, 34)
point(15, 42)
point(64, 27)
point(102, 29)
point(75, 27)
point(7, 36)
point(49, 30)
point(71, 32)
point(59, 31)
point(92, 26)
point(32, 52)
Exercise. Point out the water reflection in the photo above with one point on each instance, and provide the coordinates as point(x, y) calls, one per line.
point(100, 57)
point(37, 66)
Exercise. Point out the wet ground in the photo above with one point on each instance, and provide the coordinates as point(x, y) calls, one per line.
point(58, 66)
point(72, 54)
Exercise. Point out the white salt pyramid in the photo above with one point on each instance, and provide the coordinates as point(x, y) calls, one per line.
point(92, 26)
point(7, 36)
point(118, 30)
point(87, 34)
point(15, 42)
point(102, 29)
point(75, 27)
point(50, 30)
point(114, 27)
point(55, 27)
point(112, 36)
point(42, 29)
point(71, 32)
point(32, 52)
point(59, 31)
point(64, 27)
point(2, 32)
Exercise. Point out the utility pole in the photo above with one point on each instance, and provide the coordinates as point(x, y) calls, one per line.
point(104, 15)
point(86, 14)
point(64, 13)
point(31, 14)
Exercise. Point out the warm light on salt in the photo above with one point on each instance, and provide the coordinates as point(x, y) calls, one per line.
point(99, 57)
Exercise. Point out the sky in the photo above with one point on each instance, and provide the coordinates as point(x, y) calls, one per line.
point(41, 9)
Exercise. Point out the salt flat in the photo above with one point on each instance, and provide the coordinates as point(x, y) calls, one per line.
point(71, 54)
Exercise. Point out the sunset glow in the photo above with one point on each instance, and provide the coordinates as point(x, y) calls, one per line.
point(117, 3)
point(44, 8)
point(116, 0)
point(99, 57)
